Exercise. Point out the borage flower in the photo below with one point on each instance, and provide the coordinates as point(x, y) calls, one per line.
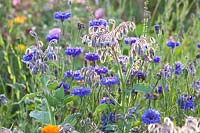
point(109, 81)
point(62, 15)
point(178, 68)
point(65, 86)
point(156, 59)
point(92, 56)
point(50, 129)
point(68, 74)
point(77, 75)
point(101, 70)
point(186, 102)
point(106, 100)
point(73, 51)
point(151, 116)
point(97, 23)
point(3, 99)
point(80, 91)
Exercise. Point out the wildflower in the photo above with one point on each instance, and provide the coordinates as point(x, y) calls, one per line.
point(107, 118)
point(198, 45)
point(28, 57)
point(109, 81)
point(156, 27)
point(141, 75)
point(131, 111)
point(3, 99)
point(131, 40)
point(186, 102)
point(65, 86)
point(97, 23)
point(77, 75)
point(21, 47)
point(167, 70)
point(62, 15)
point(156, 59)
point(68, 74)
point(53, 34)
point(80, 91)
point(126, 40)
point(106, 100)
point(191, 68)
point(50, 129)
point(73, 51)
point(92, 56)
point(20, 19)
point(101, 70)
point(10, 24)
point(151, 116)
point(159, 89)
point(171, 44)
point(178, 68)
point(98, 13)
point(197, 85)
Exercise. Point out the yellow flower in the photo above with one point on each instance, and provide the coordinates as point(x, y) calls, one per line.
point(50, 129)
point(21, 47)
point(10, 24)
point(20, 19)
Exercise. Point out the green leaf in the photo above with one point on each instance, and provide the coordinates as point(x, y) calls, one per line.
point(41, 116)
point(53, 85)
point(51, 100)
point(69, 99)
point(31, 95)
point(103, 107)
point(144, 88)
point(72, 119)
point(59, 94)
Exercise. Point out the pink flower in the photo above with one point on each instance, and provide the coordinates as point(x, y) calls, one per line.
point(99, 13)
point(55, 31)
point(16, 2)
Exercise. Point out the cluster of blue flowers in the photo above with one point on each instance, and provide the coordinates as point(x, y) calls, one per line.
point(186, 102)
point(62, 15)
point(172, 44)
point(101, 70)
point(76, 75)
point(151, 116)
point(73, 51)
point(109, 81)
point(80, 91)
point(65, 86)
point(97, 23)
point(130, 40)
point(106, 100)
point(178, 68)
point(92, 56)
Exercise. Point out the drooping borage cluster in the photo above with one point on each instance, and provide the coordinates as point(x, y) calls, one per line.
point(36, 59)
point(104, 39)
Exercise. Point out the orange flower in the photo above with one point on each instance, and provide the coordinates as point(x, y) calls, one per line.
point(50, 129)
point(19, 19)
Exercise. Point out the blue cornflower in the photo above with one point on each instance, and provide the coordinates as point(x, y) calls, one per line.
point(62, 15)
point(80, 91)
point(3, 99)
point(151, 116)
point(156, 27)
point(171, 44)
point(51, 37)
point(159, 89)
point(101, 70)
point(198, 45)
point(106, 100)
point(186, 102)
point(27, 57)
point(97, 23)
point(73, 51)
point(77, 75)
point(65, 86)
point(92, 56)
point(178, 68)
point(156, 59)
point(107, 118)
point(109, 81)
point(68, 74)
point(178, 44)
